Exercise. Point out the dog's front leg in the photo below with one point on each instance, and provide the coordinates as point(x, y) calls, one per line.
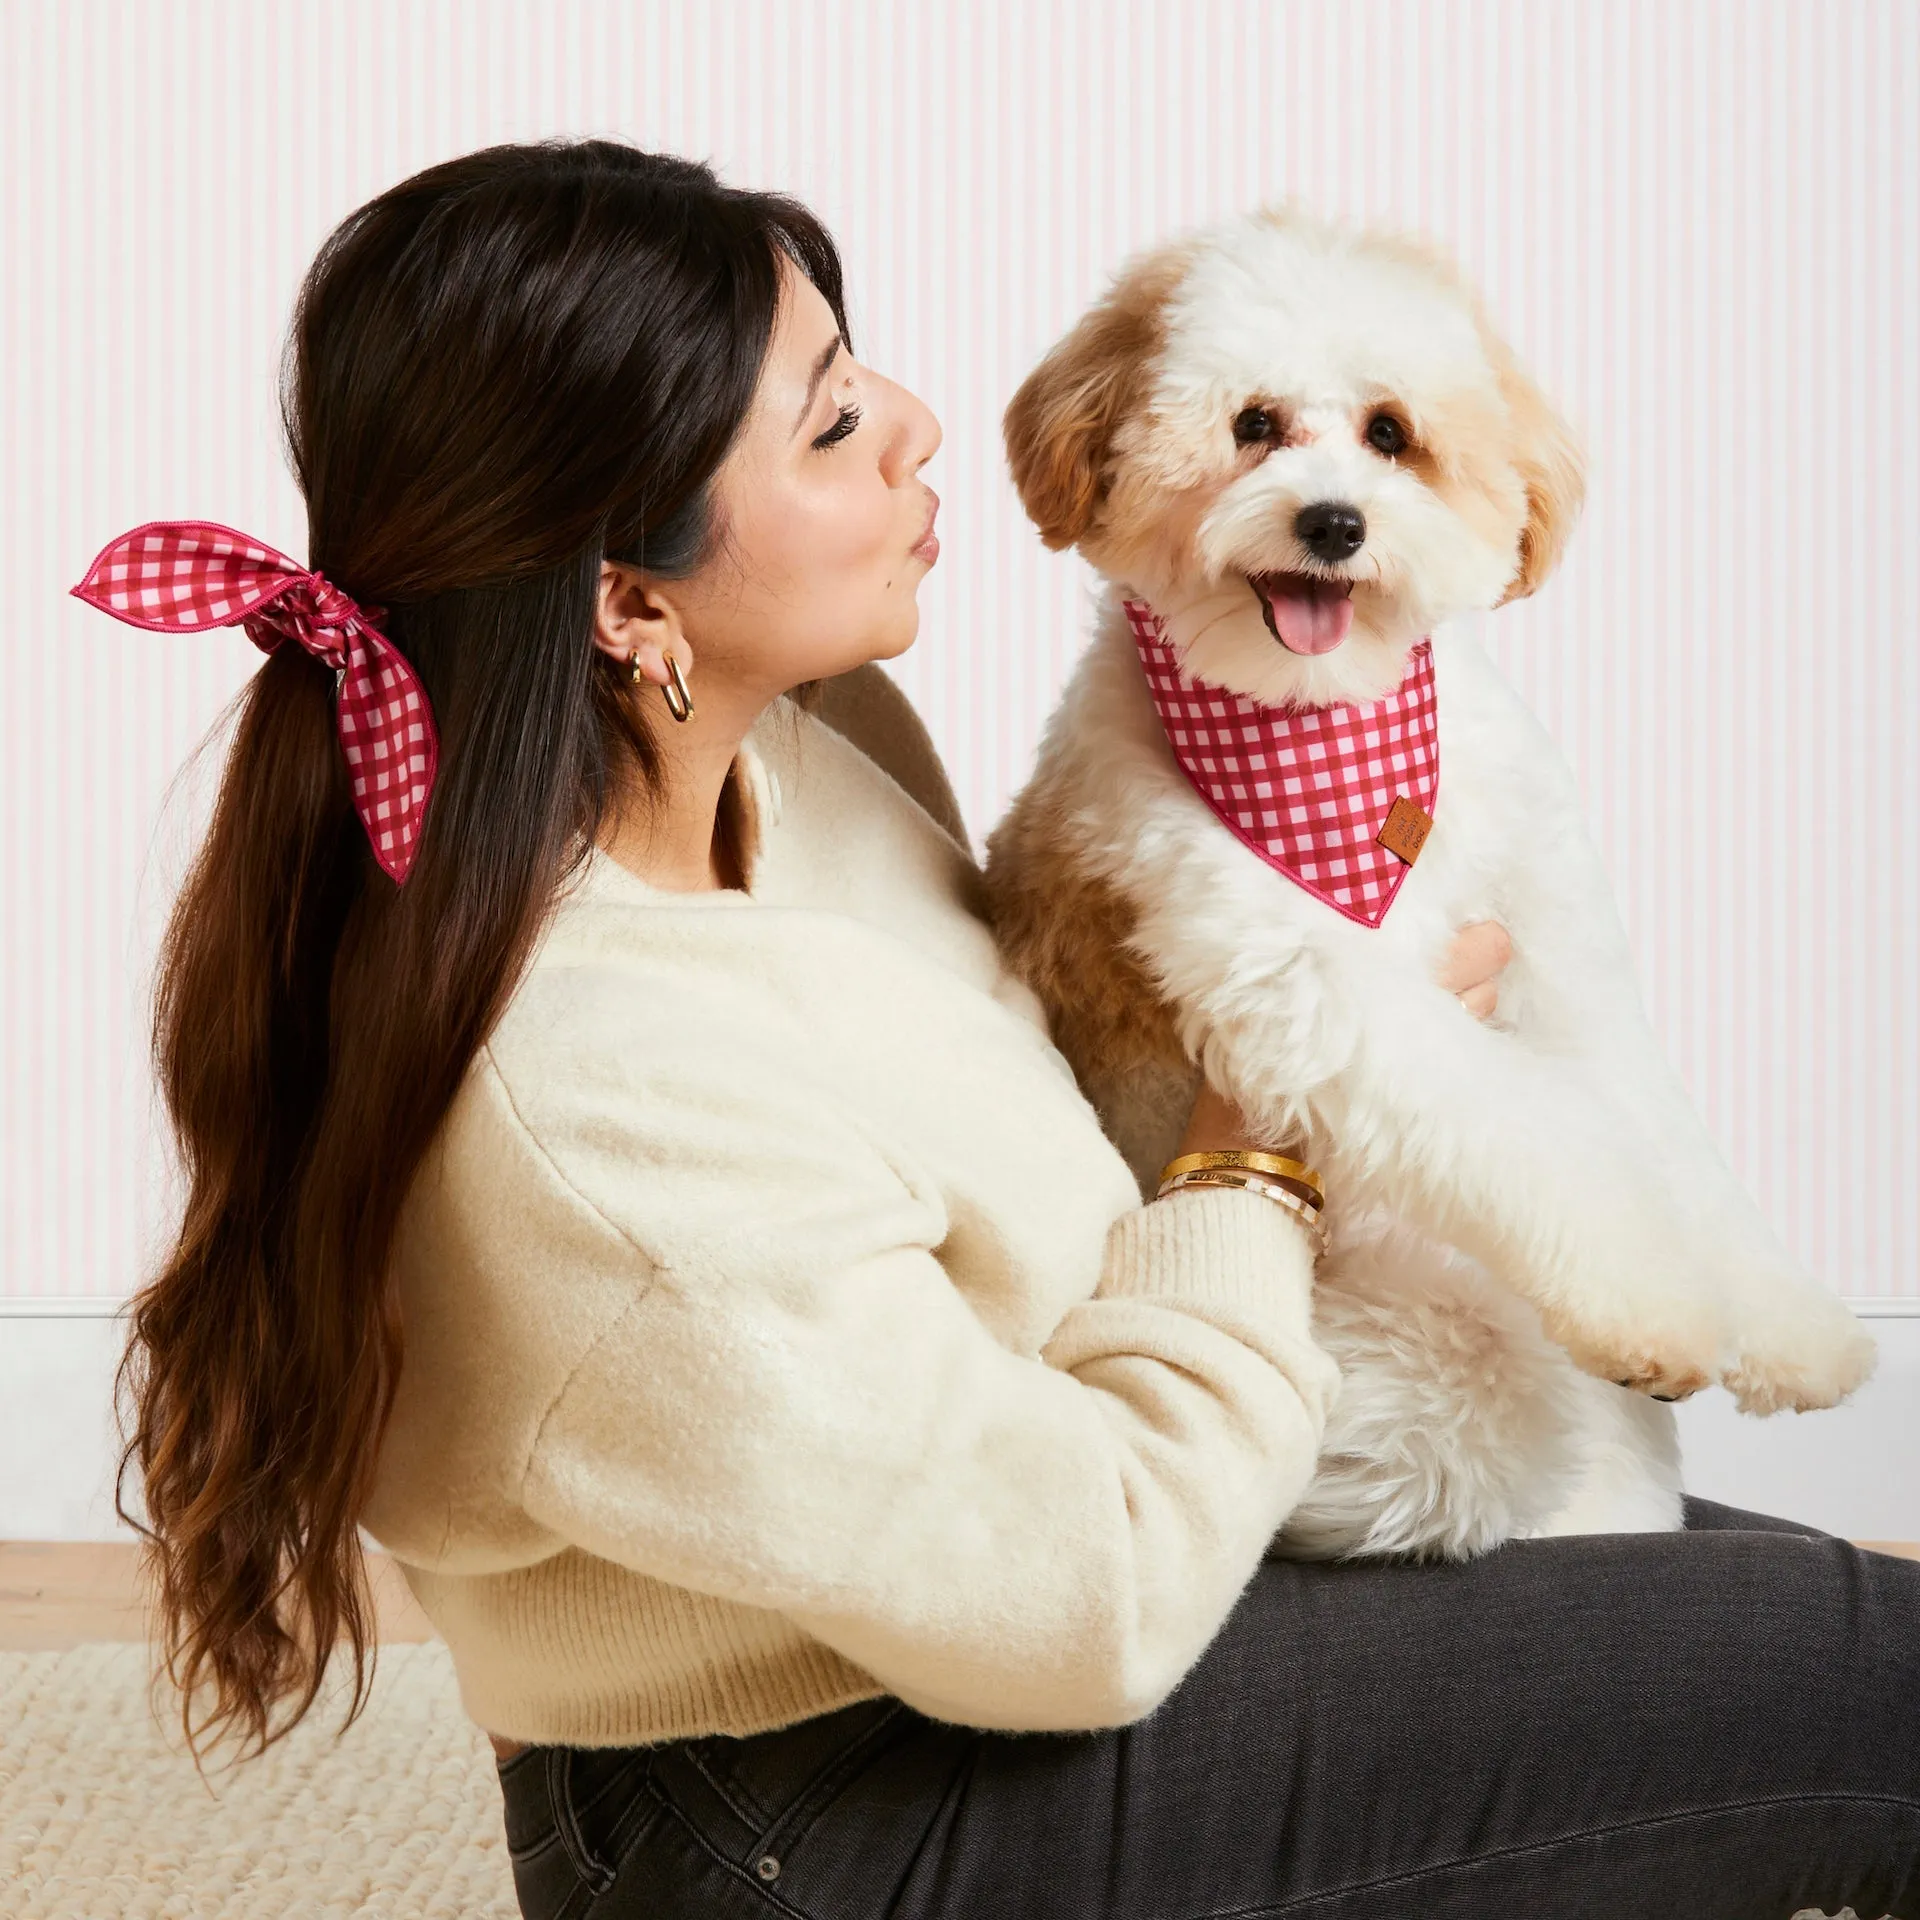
point(1572, 996)
point(1788, 1341)
point(1510, 1156)
point(1415, 1106)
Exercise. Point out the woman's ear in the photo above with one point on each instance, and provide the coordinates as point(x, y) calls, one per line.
point(1059, 426)
point(631, 618)
point(1551, 467)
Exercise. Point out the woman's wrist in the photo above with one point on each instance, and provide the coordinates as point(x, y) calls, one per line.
point(1217, 1125)
point(1220, 1149)
point(1298, 1193)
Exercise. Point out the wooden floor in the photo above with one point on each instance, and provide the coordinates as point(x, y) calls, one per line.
point(56, 1595)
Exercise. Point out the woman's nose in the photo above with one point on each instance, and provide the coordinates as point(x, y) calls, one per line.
point(915, 438)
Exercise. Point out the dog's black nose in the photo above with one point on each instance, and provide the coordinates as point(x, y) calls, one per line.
point(1332, 530)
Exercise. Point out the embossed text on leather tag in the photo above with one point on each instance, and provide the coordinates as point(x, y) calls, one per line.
point(1406, 829)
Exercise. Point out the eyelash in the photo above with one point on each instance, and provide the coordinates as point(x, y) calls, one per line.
point(849, 419)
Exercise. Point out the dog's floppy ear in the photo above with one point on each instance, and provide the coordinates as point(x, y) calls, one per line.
point(1060, 424)
point(1550, 465)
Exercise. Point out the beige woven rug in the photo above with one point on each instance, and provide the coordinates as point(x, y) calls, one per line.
point(102, 1816)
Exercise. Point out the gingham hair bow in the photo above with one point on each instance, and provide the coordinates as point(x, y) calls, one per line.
point(183, 576)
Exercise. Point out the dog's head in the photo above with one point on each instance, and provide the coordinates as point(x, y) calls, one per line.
point(1304, 445)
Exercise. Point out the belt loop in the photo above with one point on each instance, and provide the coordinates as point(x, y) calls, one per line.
point(588, 1865)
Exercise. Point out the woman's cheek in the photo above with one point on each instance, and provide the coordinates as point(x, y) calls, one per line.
point(863, 518)
point(804, 528)
point(828, 547)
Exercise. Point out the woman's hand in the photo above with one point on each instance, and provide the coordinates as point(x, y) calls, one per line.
point(1480, 951)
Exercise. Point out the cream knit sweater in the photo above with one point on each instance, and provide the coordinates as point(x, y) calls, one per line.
point(782, 1329)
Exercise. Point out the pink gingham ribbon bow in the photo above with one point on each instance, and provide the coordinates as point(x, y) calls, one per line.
point(183, 576)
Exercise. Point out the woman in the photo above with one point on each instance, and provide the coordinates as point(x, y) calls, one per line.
point(840, 1495)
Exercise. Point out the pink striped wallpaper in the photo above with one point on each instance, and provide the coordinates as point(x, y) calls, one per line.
point(1696, 218)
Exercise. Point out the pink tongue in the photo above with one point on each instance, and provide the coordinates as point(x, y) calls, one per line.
point(1309, 616)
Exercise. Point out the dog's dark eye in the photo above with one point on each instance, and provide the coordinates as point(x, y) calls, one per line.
point(1386, 435)
point(1251, 426)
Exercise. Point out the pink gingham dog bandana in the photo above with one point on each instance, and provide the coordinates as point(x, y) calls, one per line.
point(183, 576)
point(1307, 788)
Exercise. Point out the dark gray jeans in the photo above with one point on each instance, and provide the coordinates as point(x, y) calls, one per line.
point(1721, 1722)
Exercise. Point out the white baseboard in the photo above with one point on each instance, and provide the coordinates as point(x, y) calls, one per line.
point(1854, 1470)
point(57, 1445)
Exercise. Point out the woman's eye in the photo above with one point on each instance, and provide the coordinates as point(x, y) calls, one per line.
point(1251, 426)
point(848, 420)
point(1386, 435)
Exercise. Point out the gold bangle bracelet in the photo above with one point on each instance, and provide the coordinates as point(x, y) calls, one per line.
point(1302, 1210)
point(1249, 1158)
point(1238, 1177)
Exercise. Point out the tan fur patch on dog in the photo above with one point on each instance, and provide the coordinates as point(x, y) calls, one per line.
point(1060, 423)
point(1064, 932)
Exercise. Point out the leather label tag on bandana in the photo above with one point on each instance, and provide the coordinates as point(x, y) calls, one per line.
point(1406, 829)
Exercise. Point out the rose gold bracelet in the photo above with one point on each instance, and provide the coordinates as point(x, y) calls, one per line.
point(1302, 1210)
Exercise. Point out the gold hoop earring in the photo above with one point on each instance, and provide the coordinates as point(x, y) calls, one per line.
point(677, 687)
point(633, 667)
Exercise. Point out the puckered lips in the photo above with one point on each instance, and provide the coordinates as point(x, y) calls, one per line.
point(1305, 613)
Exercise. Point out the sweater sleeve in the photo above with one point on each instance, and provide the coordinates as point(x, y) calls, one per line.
point(798, 1410)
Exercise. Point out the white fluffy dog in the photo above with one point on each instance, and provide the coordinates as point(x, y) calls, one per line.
point(1299, 450)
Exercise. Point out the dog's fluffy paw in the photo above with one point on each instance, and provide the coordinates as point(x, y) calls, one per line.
point(1806, 1351)
point(1663, 1345)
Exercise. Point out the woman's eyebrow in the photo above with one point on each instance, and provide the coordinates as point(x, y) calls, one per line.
point(820, 367)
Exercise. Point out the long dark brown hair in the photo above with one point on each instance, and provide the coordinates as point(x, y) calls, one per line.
point(502, 371)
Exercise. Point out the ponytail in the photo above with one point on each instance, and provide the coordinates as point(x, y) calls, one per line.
point(503, 370)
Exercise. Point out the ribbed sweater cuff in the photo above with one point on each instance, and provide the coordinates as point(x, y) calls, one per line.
point(1208, 1243)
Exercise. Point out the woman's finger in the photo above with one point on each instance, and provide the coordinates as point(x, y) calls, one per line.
point(1480, 1001)
point(1478, 952)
